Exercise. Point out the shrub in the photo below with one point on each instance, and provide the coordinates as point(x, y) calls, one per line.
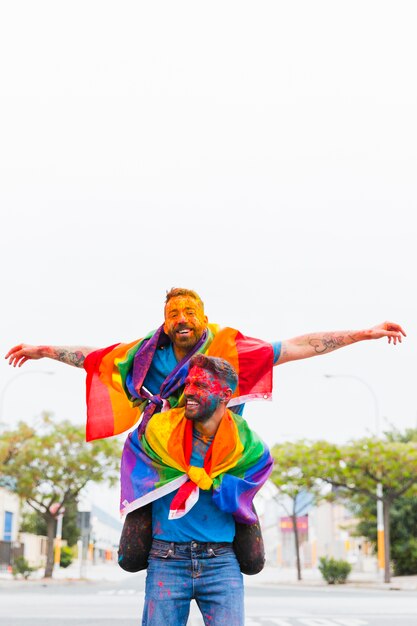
point(66, 556)
point(333, 570)
point(404, 557)
point(21, 567)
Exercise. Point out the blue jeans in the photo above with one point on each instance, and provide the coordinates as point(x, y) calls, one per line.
point(206, 572)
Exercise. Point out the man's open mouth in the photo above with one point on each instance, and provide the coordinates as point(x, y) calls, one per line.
point(184, 331)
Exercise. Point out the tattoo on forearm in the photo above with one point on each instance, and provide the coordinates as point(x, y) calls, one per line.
point(327, 343)
point(71, 358)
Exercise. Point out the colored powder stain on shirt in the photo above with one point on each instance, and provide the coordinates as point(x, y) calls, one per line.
point(200, 446)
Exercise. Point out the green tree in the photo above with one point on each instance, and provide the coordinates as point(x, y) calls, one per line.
point(294, 475)
point(403, 530)
point(70, 530)
point(409, 434)
point(34, 522)
point(403, 524)
point(356, 469)
point(51, 464)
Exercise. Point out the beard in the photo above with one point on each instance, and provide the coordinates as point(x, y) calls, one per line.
point(185, 342)
point(201, 412)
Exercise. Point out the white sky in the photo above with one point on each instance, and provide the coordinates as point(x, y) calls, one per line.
point(263, 154)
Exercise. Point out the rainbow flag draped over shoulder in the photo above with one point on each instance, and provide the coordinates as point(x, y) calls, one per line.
point(236, 465)
point(115, 395)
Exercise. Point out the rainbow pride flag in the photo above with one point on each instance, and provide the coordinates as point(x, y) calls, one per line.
point(115, 395)
point(236, 465)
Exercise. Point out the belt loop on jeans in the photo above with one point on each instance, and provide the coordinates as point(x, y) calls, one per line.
point(171, 550)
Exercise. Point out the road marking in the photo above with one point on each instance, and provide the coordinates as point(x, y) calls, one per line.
point(304, 621)
point(320, 621)
point(117, 592)
point(316, 621)
point(195, 620)
point(267, 621)
point(351, 622)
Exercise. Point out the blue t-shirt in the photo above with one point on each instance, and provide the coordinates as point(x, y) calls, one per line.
point(163, 362)
point(204, 522)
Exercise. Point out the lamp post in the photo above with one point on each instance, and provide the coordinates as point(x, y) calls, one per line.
point(58, 535)
point(6, 386)
point(379, 493)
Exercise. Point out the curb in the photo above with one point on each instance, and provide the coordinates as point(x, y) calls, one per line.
point(406, 584)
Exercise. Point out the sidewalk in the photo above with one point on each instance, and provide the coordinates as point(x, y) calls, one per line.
point(108, 572)
point(270, 575)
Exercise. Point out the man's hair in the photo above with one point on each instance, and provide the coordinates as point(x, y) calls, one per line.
point(175, 292)
point(219, 367)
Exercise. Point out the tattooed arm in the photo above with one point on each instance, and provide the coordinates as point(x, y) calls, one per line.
point(314, 344)
point(71, 355)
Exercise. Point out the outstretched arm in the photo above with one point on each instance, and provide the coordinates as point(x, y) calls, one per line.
point(71, 355)
point(306, 346)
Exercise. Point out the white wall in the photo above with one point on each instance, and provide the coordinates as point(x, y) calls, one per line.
point(34, 549)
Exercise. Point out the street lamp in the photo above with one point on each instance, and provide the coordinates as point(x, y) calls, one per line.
point(58, 535)
point(379, 493)
point(6, 386)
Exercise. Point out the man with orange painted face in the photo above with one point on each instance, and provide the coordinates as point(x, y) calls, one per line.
point(154, 380)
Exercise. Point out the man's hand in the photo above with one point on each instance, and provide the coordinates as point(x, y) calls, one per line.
point(393, 331)
point(23, 352)
point(70, 355)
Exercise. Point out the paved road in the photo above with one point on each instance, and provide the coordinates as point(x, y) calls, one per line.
point(120, 604)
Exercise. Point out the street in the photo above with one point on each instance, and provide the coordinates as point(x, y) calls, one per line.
point(76, 603)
